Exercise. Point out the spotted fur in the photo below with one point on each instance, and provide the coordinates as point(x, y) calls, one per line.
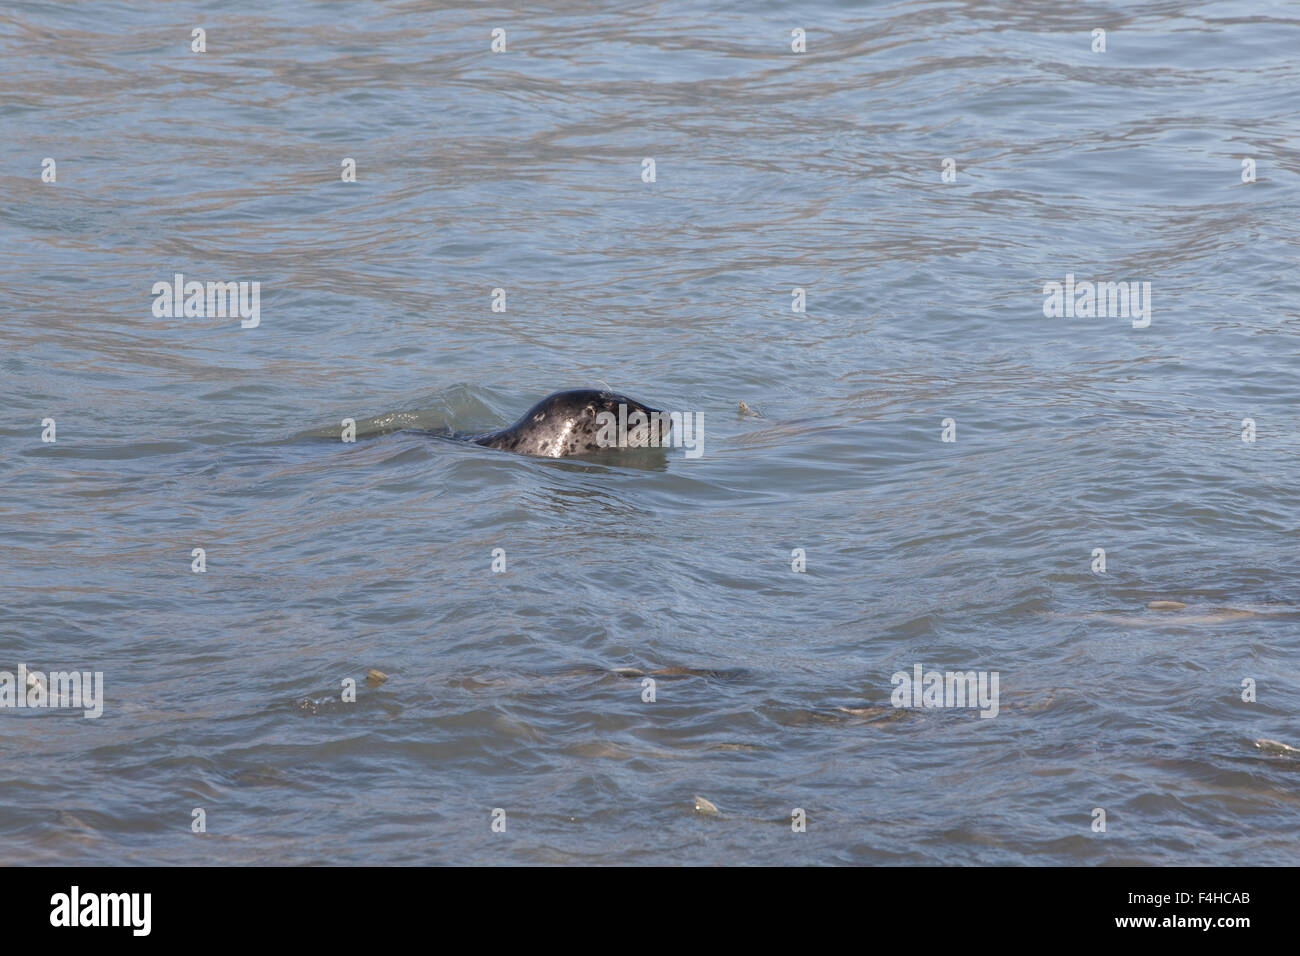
point(565, 424)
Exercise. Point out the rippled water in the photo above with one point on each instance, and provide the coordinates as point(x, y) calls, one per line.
point(774, 170)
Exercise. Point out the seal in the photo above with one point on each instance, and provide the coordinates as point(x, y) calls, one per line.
point(581, 421)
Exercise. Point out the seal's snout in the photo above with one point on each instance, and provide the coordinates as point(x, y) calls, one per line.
point(579, 422)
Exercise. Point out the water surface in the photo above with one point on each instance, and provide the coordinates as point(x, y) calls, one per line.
point(774, 171)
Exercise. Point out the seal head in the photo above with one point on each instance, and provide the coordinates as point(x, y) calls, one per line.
point(581, 421)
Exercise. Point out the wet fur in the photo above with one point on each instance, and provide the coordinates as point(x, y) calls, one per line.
point(565, 425)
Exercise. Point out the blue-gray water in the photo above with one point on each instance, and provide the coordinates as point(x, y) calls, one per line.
point(774, 170)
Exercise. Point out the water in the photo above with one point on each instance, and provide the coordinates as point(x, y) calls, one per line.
point(773, 171)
